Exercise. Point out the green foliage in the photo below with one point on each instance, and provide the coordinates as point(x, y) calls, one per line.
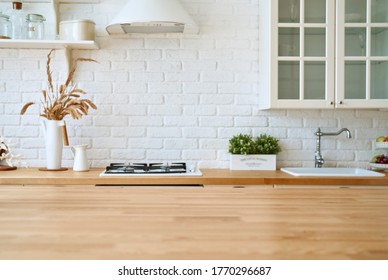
point(245, 144)
point(267, 145)
point(242, 144)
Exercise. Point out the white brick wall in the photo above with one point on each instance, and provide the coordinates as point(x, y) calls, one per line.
point(173, 97)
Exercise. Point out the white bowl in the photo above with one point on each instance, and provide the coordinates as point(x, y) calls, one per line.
point(382, 145)
point(76, 30)
point(378, 166)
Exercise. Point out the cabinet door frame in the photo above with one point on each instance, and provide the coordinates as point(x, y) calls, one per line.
point(271, 62)
point(341, 101)
point(335, 59)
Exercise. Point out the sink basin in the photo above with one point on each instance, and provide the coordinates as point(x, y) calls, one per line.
point(334, 172)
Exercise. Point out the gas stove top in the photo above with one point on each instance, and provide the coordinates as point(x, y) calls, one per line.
point(150, 169)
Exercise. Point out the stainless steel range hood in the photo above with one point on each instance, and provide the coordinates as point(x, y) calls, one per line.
point(152, 16)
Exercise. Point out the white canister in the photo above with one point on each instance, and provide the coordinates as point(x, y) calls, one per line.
point(76, 30)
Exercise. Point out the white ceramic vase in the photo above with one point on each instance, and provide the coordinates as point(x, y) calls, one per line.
point(54, 143)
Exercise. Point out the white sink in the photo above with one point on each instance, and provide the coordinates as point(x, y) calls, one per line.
point(335, 172)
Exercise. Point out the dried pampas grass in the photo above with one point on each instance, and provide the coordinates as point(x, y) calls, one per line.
point(65, 99)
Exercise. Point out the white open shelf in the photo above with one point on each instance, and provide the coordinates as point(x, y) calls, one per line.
point(66, 46)
point(47, 44)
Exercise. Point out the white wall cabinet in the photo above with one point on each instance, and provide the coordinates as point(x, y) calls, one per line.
point(323, 54)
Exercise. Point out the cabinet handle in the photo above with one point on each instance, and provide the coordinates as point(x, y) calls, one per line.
point(331, 103)
point(340, 103)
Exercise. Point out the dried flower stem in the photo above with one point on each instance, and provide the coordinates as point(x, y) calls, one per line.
point(48, 71)
point(64, 99)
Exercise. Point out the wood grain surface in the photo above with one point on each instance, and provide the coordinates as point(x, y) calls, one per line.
point(32, 176)
point(88, 222)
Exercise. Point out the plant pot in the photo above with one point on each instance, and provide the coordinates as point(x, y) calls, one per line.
point(252, 162)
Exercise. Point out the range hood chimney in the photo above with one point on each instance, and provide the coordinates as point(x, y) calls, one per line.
point(152, 16)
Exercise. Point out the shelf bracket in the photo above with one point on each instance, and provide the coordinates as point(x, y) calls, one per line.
point(68, 57)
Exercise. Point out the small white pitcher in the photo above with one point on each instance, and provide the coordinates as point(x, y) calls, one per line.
point(81, 162)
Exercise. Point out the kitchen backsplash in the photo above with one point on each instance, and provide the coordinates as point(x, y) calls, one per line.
point(173, 97)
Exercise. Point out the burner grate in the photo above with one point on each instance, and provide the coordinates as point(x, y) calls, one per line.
point(146, 168)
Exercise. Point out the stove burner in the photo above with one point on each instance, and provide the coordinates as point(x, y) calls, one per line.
point(146, 168)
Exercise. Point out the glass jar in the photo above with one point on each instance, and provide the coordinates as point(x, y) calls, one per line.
point(5, 27)
point(18, 20)
point(35, 27)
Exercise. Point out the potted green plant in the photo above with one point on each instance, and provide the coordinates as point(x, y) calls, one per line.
point(249, 153)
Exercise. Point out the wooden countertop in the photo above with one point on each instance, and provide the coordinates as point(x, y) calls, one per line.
point(32, 176)
point(73, 222)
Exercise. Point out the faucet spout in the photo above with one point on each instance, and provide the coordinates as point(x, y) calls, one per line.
point(319, 133)
point(319, 161)
point(349, 135)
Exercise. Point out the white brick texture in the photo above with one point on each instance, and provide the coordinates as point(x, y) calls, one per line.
point(173, 96)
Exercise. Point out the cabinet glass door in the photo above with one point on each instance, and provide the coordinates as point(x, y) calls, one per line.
point(362, 53)
point(305, 44)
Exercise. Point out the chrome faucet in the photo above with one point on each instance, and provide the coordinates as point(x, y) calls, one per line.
point(319, 161)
